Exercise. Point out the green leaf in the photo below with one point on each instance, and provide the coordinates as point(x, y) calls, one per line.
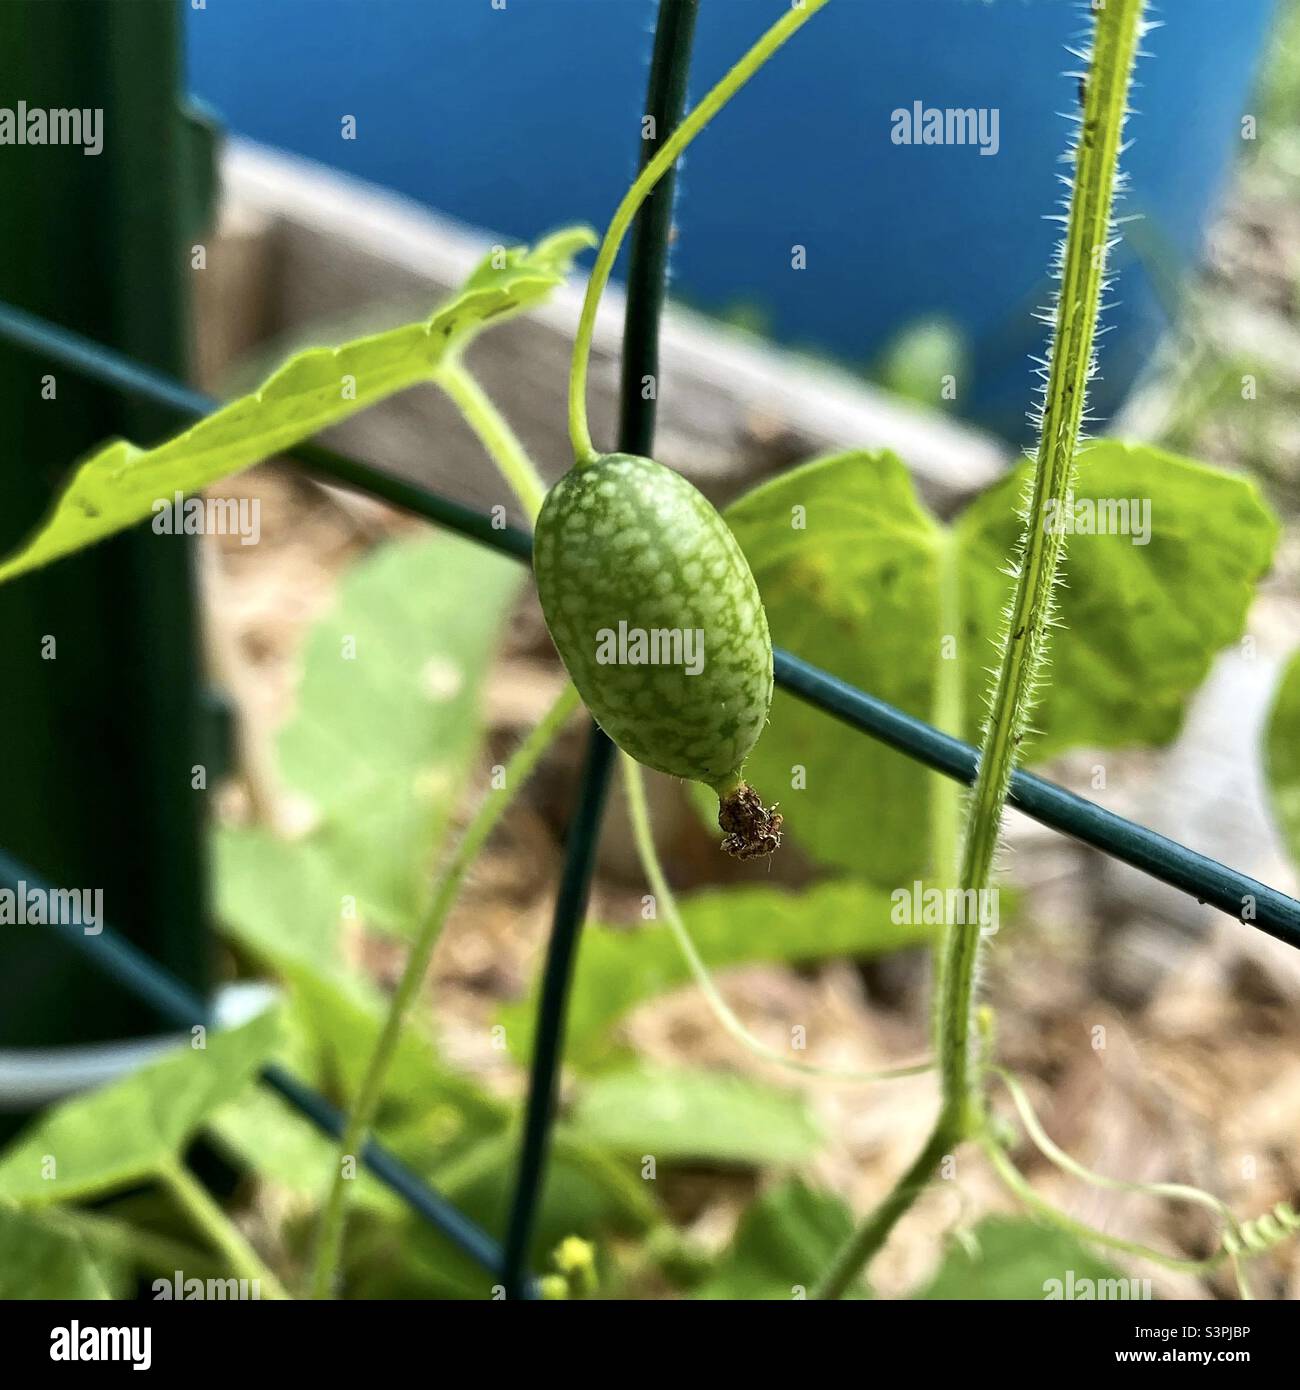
point(40, 1260)
point(1282, 756)
point(681, 1114)
point(277, 894)
point(1142, 622)
point(586, 1190)
point(618, 969)
point(1020, 1259)
point(390, 713)
point(119, 484)
point(133, 1127)
point(851, 583)
point(782, 1246)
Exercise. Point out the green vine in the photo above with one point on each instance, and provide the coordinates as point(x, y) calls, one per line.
point(584, 451)
point(1117, 32)
point(1037, 566)
point(1018, 1184)
point(193, 1198)
point(329, 1239)
point(945, 794)
point(1239, 1241)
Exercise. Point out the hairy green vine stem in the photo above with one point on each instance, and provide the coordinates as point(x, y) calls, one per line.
point(945, 795)
point(195, 1200)
point(1116, 35)
point(584, 451)
point(643, 835)
point(1030, 617)
point(329, 1240)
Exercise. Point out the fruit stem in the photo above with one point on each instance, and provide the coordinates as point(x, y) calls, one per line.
point(584, 451)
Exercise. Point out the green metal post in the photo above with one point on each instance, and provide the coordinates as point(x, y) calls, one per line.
point(100, 722)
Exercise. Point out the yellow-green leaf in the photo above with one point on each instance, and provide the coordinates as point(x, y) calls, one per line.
point(390, 712)
point(39, 1260)
point(851, 570)
point(689, 1114)
point(120, 483)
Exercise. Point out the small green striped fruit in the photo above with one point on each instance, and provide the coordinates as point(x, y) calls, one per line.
point(657, 618)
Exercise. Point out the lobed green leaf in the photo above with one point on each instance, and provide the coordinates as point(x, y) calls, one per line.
point(40, 1260)
point(857, 589)
point(847, 562)
point(1142, 621)
point(1017, 1258)
point(782, 1246)
point(340, 1012)
point(390, 714)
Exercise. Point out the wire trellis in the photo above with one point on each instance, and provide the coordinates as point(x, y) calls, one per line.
point(1253, 903)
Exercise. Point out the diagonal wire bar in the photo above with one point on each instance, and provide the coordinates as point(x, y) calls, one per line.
point(175, 1001)
point(1237, 894)
point(1203, 878)
point(647, 276)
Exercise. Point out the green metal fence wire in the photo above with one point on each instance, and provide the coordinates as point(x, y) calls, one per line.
point(1207, 880)
point(1255, 904)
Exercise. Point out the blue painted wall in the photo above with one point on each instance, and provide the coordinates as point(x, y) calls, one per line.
point(524, 118)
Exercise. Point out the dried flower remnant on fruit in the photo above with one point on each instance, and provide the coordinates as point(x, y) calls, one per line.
point(753, 830)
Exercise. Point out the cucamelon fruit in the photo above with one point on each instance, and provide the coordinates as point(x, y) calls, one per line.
point(658, 621)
